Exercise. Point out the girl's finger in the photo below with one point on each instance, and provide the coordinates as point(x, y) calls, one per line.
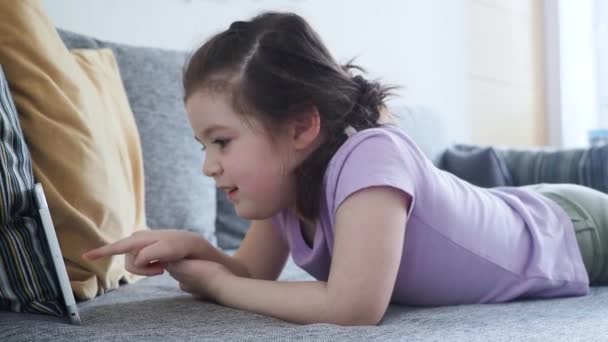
point(175, 270)
point(158, 251)
point(126, 245)
point(173, 267)
point(152, 269)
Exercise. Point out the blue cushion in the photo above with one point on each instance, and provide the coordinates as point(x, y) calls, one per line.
point(481, 166)
point(583, 166)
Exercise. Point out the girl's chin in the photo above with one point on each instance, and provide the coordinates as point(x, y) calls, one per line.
point(252, 214)
point(244, 213)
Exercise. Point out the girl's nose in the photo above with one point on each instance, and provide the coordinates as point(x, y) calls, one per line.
point(211, 168)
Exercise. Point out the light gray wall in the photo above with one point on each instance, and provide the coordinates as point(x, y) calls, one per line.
point(417, 44)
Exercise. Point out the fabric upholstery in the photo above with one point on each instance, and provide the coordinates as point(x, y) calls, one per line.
point(155, 309)
point(493, 166)
point(26, 278)
point(477, 165)
point(82, 139)
point(178, 195)
point(426, 127)
point(583, 166)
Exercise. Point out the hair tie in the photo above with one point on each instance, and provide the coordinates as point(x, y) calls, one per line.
point(349, 130)
point(362, 83)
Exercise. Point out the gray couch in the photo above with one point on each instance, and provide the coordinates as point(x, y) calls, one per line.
point(155, 309)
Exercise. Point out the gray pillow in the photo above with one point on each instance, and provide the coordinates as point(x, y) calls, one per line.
point(178, 195)
point(27, 282)
point(481, 166)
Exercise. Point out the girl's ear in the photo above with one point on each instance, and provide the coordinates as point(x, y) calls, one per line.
point(305, 128)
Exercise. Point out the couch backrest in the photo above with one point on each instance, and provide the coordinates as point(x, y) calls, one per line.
point(177, 194)
point(425, 127)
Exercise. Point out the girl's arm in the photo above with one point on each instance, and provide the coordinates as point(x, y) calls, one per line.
point(262, 252)
point(261, 255)
point(369, 235)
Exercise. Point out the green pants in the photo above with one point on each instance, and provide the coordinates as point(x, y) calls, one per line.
point(588, 210)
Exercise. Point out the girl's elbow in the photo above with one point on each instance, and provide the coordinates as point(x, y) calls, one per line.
point(362, 321)
point(358, 315)
point(359, 319)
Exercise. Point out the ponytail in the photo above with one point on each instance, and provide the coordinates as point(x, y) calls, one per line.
point(366, 103)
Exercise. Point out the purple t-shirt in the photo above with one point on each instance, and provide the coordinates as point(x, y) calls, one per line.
point(463, 244)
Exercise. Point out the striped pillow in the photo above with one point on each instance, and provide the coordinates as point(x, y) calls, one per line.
point(583, 166)
point(27, 283)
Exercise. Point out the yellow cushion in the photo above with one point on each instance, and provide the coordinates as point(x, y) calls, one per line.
point(83, 140)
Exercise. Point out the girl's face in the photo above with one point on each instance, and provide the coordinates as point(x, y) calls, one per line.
point(255, 172)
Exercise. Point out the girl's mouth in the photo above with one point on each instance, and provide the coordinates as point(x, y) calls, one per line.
point(232, 193)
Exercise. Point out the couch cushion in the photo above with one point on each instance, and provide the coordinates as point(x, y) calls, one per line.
point(425, 127)
point(82, 139)
point(583, 166)
point(478, 165)
point(177, 194)
point(155, 309)
point(26, 282)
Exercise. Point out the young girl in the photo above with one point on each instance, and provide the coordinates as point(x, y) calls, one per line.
point(307, 151)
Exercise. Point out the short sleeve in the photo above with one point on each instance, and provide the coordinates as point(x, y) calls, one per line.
point(377, 159)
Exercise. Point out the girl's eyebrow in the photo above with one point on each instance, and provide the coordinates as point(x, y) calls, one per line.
point(207, 131)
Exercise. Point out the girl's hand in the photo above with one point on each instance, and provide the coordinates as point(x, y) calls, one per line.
point(147, 252)
point(202, 278)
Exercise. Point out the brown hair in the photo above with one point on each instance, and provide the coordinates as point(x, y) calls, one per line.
point(274, 66)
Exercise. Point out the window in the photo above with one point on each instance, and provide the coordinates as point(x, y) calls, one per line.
point(576, 51)
point(601, 42)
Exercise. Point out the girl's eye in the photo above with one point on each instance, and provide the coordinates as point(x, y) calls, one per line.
point(221, 142)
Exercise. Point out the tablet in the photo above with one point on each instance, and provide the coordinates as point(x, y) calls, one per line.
point(56, 256)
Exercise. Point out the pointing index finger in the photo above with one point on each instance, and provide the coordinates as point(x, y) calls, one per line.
point(122, 246)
